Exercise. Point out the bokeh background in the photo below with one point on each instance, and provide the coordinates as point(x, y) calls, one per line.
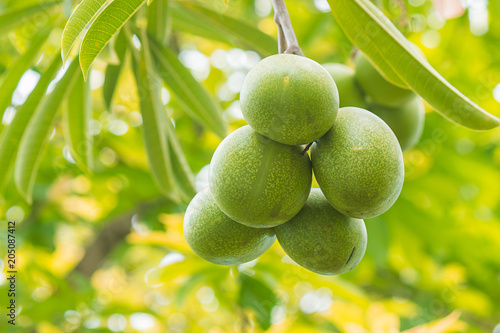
point(105, 251)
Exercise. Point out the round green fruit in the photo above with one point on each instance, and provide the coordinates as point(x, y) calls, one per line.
point(359, 164)
point(407, 121)
point(290, 99)
point(377, 88)
point(257, 181)
point(349, 92)
point(321, 239)
point(216, 238)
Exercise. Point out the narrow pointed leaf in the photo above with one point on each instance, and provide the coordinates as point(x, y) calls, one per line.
point(22, 64)
point(12, 18)
point(37, 134)
point(159, 22)
point(182, 174)
point(194, 98)
point(104, 27)
point(84, 14)
point(11, 135)
point(210, 24)
point(185, 20)
point(77, 114)
point(112, 73)
point(366, 27)
point(153, 118)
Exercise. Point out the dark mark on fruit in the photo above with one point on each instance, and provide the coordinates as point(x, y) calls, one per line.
point(352, 252)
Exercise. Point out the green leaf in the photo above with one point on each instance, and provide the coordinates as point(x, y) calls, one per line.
point(394, 56)
point(159, 23)
point(210, 24)
point(12, 18)
point(84, 14)
point(192, 96)
point(378, 246)
point(11, 135)
point(77, 114)
point(183, 19)
point(104, 27)
point(153, 120)
point(257, 296)
point(37, 134)
point(23, 63)
point(166, 157)
point(182, 174)
point(112, 73)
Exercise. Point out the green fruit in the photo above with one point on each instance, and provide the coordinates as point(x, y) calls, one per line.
point(290, 99)
point(257, 181)
point(359, 164)
point(407, 122)
point(218, 239)
point(378, 89)
point(349, 92)
point(321, 239)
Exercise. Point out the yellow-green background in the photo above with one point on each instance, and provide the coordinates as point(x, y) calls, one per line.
point(432, 260)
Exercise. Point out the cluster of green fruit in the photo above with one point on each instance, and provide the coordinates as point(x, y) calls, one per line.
point(260, 175)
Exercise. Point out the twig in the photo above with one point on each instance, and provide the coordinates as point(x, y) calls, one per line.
point(285, 29)
point(306, 148)
point(281, 39)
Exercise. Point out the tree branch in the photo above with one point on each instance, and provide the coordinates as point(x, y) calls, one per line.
point(109, 237)
point(285, 29)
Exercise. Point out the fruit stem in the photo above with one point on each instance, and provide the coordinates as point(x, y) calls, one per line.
point(287, 41)
point(306, 148)
point(281, 39)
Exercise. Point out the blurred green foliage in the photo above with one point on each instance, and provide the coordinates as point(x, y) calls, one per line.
point(432, 260)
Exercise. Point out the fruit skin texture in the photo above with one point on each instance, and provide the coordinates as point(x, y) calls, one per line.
point(216, 238)
point(290, 99)
point(377, 88)
point(321, 239)
point(407, 122)
point(257, 181)
point(349, 92)
point(359, 164)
